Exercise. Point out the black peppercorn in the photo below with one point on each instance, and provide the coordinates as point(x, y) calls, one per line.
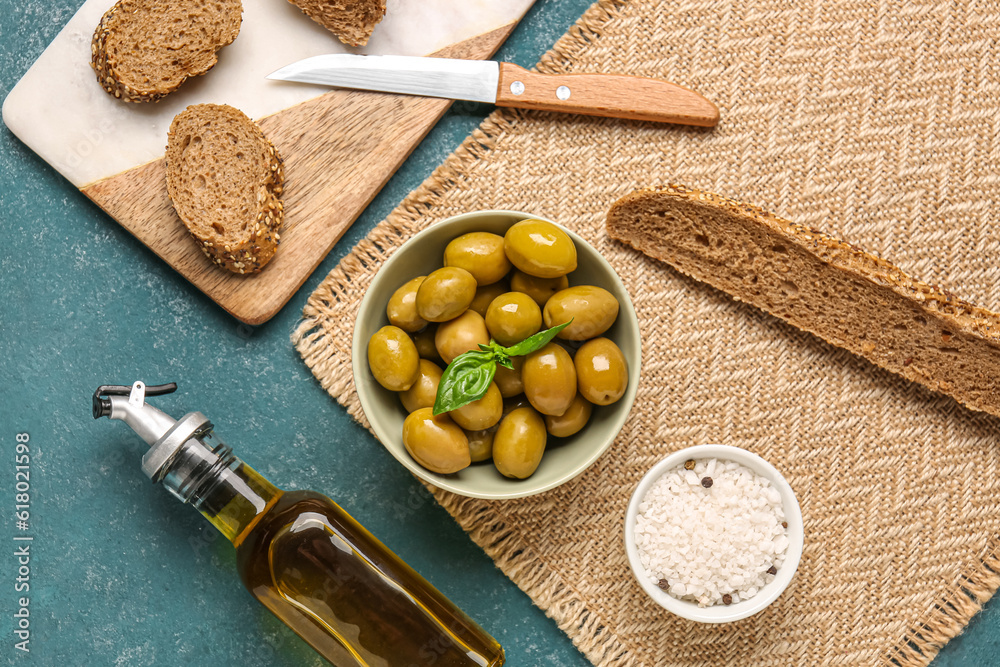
point(706, 482)
point(772, 570)
point(663, 583)
point(727, 599)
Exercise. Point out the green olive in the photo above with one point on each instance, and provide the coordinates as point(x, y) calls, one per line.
point(549, 379)
point(402, 308)
point(424, 340)
point(509, 380)
point(519, 443)
point(482, 413)
point(592, 309)
point(436, 443)
point(512, 317)
point(423, 392)
point(485, 295)
point(445, 294)
point(601, 371)
point(479, 253)
point(460, 335)
point(393, 359)
point(481, 444)
point(571, 421)
point(540, 249)
point(539, 289)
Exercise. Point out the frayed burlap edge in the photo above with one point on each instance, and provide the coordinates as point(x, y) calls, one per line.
point(486, 522)
point(951, 614)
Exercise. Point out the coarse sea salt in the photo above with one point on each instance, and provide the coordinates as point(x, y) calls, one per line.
point(711, 542)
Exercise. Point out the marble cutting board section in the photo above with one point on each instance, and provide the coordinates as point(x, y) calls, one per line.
point(339, 147)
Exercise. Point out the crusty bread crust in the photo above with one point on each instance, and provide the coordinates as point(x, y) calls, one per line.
point(143, 50)
point(352, 21)
point(820, 284)
point(225, 180)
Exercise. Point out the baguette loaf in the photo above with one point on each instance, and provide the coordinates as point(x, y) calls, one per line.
point(145, 49)
point(836, 291)
point(352, 21)
point(225, 181)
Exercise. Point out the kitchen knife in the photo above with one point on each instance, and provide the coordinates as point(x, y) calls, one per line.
point(507, 85)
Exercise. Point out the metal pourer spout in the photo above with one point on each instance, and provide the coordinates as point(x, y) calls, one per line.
point(172, 442)
point(129, 405)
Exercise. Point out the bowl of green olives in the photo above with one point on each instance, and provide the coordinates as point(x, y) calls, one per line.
point(496, 354)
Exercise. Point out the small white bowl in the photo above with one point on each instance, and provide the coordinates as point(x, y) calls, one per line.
point(766, 595)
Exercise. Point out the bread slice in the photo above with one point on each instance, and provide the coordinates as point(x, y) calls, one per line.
point(351, 20)
point(225, 181)
point(836, 291)
point(145, 49)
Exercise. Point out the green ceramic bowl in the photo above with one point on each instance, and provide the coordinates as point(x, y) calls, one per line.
point(564, 458)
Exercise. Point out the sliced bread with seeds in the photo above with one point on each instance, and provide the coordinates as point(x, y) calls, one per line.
point(225, 181)
point(353, 21)
point(143, 50)
point(822, 285)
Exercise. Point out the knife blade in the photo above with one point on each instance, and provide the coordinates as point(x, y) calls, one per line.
point(507, 85)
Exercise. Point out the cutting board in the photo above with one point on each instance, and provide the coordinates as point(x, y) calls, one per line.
point(339, 147)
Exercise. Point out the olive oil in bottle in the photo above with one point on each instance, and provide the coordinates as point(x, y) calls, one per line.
point(300, 554)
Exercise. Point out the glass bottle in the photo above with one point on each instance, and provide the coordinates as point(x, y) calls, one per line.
point(300, 554)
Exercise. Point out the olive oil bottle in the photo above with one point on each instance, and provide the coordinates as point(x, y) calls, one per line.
point(300, 554)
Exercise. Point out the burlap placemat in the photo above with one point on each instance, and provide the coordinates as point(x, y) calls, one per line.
point(876, 122)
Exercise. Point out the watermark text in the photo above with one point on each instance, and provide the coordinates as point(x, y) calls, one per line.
point(22, 541)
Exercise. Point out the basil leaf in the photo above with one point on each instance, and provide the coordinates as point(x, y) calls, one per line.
point(466, 379)
point(536, 342)
point(499, 353)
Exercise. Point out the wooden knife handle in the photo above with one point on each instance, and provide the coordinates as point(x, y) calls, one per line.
point(610, 95)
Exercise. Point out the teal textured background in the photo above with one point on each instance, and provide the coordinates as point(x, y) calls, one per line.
point(122, 574)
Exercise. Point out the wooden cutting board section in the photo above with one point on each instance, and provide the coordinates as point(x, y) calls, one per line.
point(339, 149)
